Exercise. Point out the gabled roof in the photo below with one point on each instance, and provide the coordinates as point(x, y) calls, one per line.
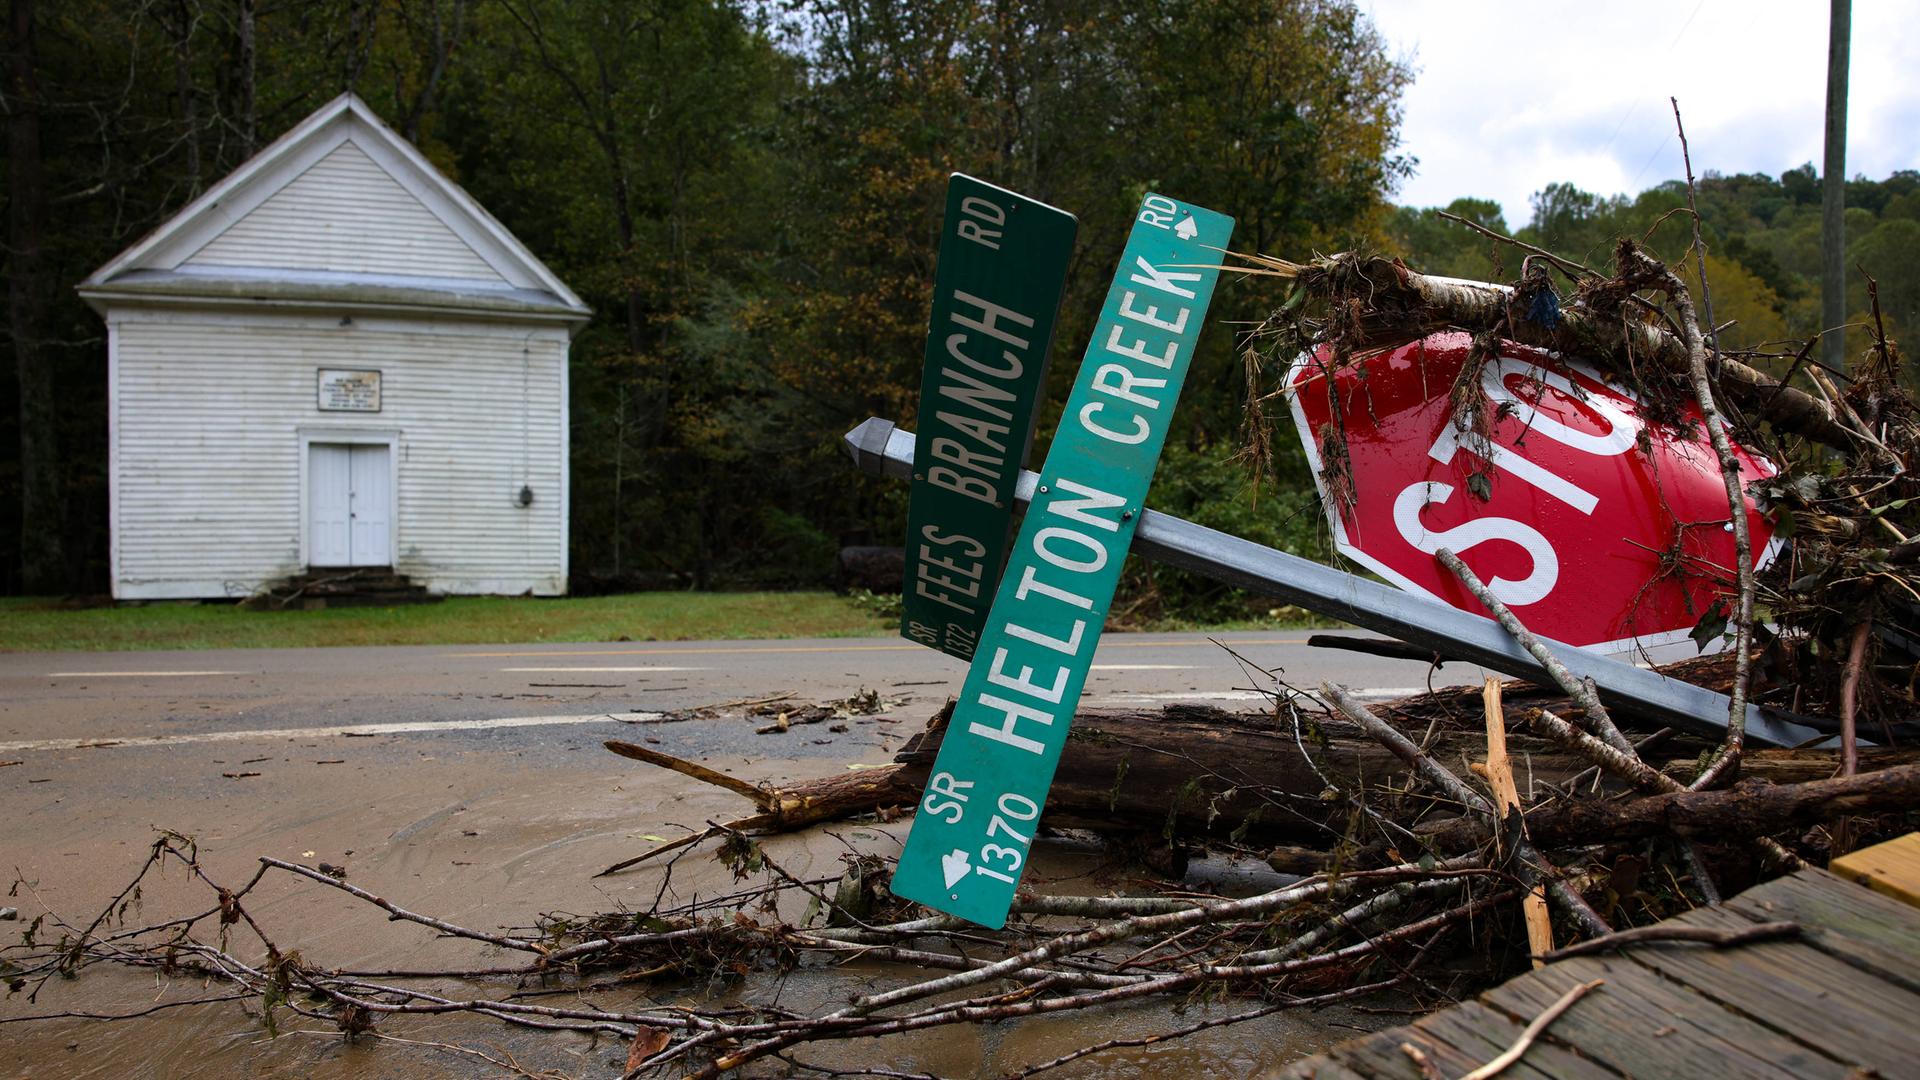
point(339, 210)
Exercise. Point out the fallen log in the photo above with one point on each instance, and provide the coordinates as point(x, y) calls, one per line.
point(1182, 769)
point(1749, 808)
point(1195, 770)
point(1801, 766)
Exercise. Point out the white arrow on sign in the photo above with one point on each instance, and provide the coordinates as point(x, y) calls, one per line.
point(1186, 230)
point(955, 865)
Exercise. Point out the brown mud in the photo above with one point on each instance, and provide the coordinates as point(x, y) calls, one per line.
point(485, 839)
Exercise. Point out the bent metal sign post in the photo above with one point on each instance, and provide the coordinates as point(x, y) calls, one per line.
point(1003, 265)
point(975, 824)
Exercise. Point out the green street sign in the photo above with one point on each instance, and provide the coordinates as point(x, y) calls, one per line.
point(974, 825)
point(996, 296)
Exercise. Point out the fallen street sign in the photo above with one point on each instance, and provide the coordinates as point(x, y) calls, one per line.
point(878, 447)
point(1598, 526)
point(996, 295)
point(975, 823)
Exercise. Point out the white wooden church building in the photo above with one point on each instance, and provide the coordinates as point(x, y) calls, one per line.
point(335, 358)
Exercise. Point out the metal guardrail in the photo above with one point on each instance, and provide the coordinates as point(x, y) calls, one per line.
point(881, 448)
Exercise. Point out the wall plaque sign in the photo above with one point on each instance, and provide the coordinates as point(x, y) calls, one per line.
point(349, 391)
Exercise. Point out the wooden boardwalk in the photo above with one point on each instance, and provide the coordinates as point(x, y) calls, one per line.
point(1841, 1001)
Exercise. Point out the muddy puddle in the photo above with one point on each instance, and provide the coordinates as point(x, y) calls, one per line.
point(487, 839)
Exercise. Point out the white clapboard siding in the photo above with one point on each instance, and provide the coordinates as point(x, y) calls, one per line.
point(209, 422)
point(345, 214)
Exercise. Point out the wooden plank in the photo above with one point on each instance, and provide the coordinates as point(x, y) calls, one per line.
point(1643, 1025)
point(1860, 926)
point(1486, 1033)
point(1844, 997)
point(1318, 1067)
point(1801, 992)
point(1380, 1056)
point(1456, 1040)
point(1892, 868)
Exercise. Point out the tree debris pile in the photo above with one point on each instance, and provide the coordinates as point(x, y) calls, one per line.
point(1837, 616)
point(1828, 631)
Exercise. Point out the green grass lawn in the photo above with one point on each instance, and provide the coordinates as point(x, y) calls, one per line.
point(29, 624)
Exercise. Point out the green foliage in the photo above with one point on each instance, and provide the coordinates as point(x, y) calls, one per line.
point(1578, 223)
point(1891, 253)
point(886, 607)
point(1437, 246)
point(798, 552)
point(1762, 236)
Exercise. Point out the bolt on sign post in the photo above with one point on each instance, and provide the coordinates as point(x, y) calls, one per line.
point(996, 296)
point(975, 823)
point(1596, 524)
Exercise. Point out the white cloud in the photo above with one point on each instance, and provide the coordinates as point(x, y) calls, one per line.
point(1509, 97)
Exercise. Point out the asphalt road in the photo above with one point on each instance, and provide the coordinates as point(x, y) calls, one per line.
point(521, 695)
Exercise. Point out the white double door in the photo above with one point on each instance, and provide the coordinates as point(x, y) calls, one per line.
point(349, 504)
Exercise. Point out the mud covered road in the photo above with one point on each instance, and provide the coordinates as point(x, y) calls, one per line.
point(470, 783)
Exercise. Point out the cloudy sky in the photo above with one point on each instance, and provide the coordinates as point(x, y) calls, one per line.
point(1511, 96)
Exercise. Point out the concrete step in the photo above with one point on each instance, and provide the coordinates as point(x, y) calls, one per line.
point(375, 586)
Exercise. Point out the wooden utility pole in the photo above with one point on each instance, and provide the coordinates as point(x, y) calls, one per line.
point(1833, 197)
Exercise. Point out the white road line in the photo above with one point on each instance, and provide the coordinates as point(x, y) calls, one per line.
point(1142, 667)
point(551, 670)
point(104, 741)
point(681, 650)
point(1190, 695)
point(132, 674)
point(1375, 693)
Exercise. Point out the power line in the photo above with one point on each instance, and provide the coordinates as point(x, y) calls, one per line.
point(1637, 102)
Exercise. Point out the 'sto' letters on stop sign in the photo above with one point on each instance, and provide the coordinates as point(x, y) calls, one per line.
point(1597, 525)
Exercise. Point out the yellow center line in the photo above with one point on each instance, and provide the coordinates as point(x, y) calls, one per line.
point(848, 648)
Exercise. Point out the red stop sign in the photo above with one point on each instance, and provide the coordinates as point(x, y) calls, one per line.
point(1596, 525)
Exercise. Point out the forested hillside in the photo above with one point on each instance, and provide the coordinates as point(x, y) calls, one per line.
point(1763, 242)
point(749, 197)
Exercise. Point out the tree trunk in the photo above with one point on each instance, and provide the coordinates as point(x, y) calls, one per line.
point(1749, 808)
point(635, 304)
point(362, 22)
point(1193, 769)
point(619, 471)
point(183, 87)
point(249, 109)
point(42, 544)
point(448, 27)
point(1186, 769)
